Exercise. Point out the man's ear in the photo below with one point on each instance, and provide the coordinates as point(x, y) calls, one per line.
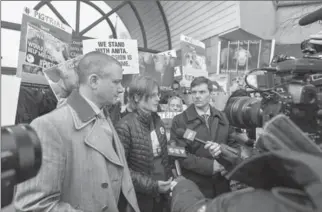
point(93, 81)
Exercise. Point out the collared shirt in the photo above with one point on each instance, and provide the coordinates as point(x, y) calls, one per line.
point(201, 113)
point(204, 115)
point(114, 172)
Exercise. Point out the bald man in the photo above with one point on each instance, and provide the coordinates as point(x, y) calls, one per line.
point(83, 163)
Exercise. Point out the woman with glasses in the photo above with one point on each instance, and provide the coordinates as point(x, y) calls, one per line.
point(143, 136)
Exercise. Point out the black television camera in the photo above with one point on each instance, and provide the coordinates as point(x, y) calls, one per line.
point(20, 158)
point(298, 95)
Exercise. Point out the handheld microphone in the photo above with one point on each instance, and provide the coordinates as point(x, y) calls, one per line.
point(177, 153)
point(191, 136)
point(229, 157)
point(311, 18)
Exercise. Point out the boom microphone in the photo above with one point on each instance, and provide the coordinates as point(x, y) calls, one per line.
point(311, 18)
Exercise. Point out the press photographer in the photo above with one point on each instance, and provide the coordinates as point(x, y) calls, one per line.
point(20, 158)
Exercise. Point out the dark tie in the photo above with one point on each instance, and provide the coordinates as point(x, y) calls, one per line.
point(206, 117)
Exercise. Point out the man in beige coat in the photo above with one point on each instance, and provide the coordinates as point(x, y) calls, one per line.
point(83, 164)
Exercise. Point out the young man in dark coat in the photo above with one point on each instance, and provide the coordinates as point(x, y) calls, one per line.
point(210, 125)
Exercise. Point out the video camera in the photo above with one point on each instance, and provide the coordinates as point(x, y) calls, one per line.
point(297, 92)
point(21, 156)
point(298, 95)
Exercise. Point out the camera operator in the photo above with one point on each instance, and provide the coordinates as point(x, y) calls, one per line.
point(277, 188)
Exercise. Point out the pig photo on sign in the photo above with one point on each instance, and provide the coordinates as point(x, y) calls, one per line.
point(57, 50)
point(35, 45)
point(63, 78)
point(193, 60)
point(158, 66)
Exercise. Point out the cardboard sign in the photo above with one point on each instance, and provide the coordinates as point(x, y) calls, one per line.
point(124, 51)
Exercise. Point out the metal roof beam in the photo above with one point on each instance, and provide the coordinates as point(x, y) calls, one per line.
point(10, 25)
point(41, 4)
point(136, 13)
point(103, 17)
point(167, 28)
point(17, 27)
point(102, 13)
point(294, 4)
point(77, 17)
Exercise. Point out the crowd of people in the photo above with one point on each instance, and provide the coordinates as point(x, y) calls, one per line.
point(101, 156)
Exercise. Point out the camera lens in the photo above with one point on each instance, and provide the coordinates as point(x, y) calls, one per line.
point(20, 151)
point(244, 112)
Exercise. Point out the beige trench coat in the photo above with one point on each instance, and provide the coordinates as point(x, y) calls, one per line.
point(74, 175)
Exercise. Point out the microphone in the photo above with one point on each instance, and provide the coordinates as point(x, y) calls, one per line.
point(177, 153)
point(229, 157)
point(311, 18)
point(191, 136)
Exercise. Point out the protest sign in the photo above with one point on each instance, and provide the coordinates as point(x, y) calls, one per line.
point(170, 53)
point(193, 59)
point(125, 51)
point(167, 118)
point(244, 55)
point(44, 42)
point(168, 115)
point(220, 82)
point(159, 66)
point(76, 47)
point(63, 78)
point(220, 94)
point(239, 57)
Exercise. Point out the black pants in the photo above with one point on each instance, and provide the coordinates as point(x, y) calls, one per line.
point(150, 204)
